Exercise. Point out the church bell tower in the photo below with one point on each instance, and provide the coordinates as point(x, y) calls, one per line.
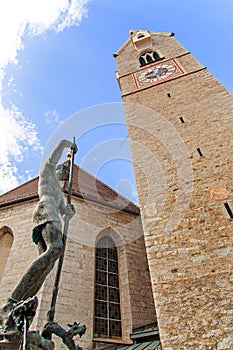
point(179, 121)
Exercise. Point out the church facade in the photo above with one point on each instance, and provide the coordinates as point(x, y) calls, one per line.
point(105, 282)
point(158, 277)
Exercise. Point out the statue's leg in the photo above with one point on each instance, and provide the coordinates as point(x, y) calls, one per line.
point(40, 268)
point(41, 246)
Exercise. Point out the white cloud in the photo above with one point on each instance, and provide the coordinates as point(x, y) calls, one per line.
point(52, 118)
point(18, 137)
point(17, 17)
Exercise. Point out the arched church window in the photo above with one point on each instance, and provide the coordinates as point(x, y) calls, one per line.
point(149, 57)
point(6, 240)
point(107, 321)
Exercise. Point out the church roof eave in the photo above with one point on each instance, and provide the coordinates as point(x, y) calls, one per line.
point(85, 186)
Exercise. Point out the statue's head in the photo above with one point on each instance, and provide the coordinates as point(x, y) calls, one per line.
point(63, 172)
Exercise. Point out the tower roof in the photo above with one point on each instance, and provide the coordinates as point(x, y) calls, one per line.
point(134, 32)
point(84, 186)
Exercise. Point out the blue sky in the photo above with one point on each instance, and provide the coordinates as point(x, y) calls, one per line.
point(56, 65)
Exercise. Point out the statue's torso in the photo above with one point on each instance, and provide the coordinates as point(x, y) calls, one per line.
point(51, 198)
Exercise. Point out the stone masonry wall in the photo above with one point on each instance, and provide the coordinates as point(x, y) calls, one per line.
point(183, 171)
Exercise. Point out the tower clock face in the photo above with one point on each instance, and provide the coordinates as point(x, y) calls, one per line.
point(157, 73)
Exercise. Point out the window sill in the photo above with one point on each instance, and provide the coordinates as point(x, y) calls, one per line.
point(116, 341)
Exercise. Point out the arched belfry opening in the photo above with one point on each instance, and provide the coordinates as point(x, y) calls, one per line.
point(148, 57)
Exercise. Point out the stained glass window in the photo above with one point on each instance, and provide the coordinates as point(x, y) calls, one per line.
point(107, 322)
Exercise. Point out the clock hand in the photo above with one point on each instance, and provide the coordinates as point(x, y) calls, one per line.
point(162, 71)
point(151, 75)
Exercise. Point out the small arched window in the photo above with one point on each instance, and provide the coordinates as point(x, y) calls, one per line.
point(149, 57)
point(140, 35)
point(107, 321)
point(6, 240)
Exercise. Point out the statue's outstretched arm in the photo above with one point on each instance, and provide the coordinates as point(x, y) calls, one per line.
point(57, 152)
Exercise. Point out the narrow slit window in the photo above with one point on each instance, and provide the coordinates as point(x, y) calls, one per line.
point(182, 120)
point(229, 211)
point(200, 152)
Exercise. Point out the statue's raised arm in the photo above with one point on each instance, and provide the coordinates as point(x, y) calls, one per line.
point(57, 152)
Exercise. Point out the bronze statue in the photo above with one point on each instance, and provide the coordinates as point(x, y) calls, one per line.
point(21, 307)
point(47, 233)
